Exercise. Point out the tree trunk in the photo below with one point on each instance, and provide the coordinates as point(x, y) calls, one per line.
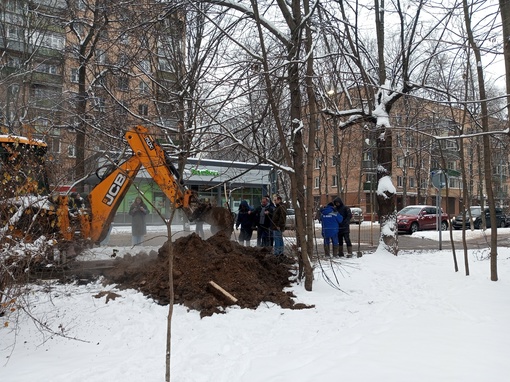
point(487, 165)
point(505, 21)
point(386, 197)
point(170, 251)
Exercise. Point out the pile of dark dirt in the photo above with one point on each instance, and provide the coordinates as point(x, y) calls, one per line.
point(209, 274)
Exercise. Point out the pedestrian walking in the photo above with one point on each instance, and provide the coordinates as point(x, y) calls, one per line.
point(345, 230)
point(245, 219)
point(278, 225)
point(330, 221)
point(138, 210)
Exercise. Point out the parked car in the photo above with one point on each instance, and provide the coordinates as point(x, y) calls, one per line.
point(457, 222)
point(357, 215)
point(500, 219)
point(476, 216)
point(290, 222)
point(417, 218)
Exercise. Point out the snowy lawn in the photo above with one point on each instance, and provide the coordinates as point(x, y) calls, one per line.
point(376, 318)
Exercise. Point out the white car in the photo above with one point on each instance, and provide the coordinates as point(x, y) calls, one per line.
point(357, 215)
point(290, 222)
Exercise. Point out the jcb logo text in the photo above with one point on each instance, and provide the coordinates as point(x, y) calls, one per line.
point(114, 189)
point(149, 143)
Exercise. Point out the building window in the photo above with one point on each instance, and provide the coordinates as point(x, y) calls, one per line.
point(123, 83)
point(75, 76)
point(145, 66)
point(452, 165)
point(164, 65)
point(400, 161)
point(46, 68)
point(124, 39)
point(143, 87)
point(410, 161)
point(454, 182)
point(100, 57)
point(334, 181)
point(54, 145)
point(13, 32)
point(317, 163)
point(411, 182)
point(122, 60)
point(143, 109)
point(144, 42)
point(71, 151)
point(14, 62)
point(100, 104)
point(400, 181)
point(48, 40)
point(316, 182)
point(334, 160)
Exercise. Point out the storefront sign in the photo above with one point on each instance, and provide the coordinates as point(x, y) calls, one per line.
point(206, 172)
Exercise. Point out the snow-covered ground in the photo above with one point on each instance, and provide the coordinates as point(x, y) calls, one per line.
point(376, 318)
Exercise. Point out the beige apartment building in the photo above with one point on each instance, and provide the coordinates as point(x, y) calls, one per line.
point(345, 161)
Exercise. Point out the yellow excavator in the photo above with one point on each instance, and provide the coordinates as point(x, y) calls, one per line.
point(41, 214)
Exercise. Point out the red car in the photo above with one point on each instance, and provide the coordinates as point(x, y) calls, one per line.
point(417, 218)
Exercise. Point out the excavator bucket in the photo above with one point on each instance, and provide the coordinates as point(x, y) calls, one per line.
point(219, 218)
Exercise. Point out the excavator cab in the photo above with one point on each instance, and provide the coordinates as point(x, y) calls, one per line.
point(24, 210)
point(22, 166)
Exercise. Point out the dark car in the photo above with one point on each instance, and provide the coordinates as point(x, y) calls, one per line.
point(458, 223)
point(500, 219)
point(417, 218)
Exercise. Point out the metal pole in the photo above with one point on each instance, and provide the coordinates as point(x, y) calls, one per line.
point(439, 218)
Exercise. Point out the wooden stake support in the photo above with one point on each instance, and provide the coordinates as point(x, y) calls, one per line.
point(223, 292)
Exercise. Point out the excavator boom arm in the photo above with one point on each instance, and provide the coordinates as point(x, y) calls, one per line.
point(159, 167)
point(106, 197)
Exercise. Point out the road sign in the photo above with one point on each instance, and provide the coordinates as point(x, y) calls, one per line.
point(438, 178)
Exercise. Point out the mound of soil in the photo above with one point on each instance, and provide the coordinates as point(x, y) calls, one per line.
point(209, 275)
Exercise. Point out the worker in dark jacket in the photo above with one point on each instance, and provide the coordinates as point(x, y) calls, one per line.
point(345, 230)
point(331, 221)
point(278, 225)
point(245, 219)
point(263, 217)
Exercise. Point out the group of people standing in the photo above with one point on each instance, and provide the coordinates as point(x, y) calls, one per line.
point(336, 219)
point(268, 219)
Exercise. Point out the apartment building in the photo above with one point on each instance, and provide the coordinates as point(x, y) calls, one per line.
point(345, 161)
point(67, 70)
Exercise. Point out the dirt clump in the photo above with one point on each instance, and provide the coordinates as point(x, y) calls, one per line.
point(207, 272)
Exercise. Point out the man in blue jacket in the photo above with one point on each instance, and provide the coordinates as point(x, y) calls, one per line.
point(331, 221)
